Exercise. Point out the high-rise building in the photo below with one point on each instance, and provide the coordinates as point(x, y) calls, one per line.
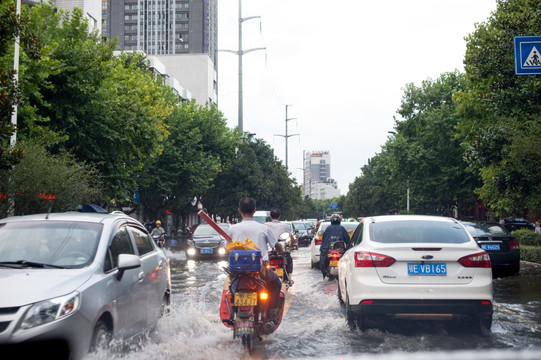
point(91, 10)
point(163, 27)
point(318, 183)
point(182, 34)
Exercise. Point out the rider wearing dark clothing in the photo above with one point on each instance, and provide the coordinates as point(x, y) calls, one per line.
point(333, 233)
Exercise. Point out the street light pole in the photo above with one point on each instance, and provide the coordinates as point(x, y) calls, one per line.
point(241, 52)
point(286, 136)
point(15, 75)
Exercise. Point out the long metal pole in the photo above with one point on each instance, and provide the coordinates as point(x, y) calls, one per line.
point(240, 71)
point(15, 76)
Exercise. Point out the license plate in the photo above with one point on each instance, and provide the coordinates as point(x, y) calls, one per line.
point(244, 326)
point(245, 299)
point(206, 251)
point(333, 263)
point(279, 272)
point(490, 247)
point(438, 269)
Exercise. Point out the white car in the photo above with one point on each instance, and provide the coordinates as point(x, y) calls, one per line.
point(415, 267)
point(315, 244)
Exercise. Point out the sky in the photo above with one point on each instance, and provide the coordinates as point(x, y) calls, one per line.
point(340, 65)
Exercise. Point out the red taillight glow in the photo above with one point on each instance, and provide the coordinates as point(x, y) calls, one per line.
point(479, 260)
point(277, 263)
point(514, 245)
point(369, 259)
point(317, 241)
point(263, 296)
point(367, 302)
point(334, 255)
point(485, 302)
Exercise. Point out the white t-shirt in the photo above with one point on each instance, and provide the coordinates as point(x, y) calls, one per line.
point(278, 228)
point(260, 234)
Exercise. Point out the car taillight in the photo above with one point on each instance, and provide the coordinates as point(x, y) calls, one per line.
point(369, 259)
point(317, 241)
point(479, 260)
point(514, 245)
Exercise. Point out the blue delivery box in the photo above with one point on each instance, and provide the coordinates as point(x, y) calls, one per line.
point(245, 261)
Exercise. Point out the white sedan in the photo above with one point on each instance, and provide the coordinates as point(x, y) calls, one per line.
point(415, 267)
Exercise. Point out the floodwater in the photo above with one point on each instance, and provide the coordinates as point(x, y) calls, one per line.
point(314, 324)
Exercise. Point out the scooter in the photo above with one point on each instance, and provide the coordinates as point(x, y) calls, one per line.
point(245, 299)
point(334, 255)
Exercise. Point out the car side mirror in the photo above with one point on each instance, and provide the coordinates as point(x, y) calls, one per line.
point(127, 262)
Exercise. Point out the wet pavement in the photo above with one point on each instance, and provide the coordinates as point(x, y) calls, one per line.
point(314, 324)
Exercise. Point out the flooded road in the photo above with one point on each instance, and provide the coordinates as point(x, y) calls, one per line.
point(314, 325)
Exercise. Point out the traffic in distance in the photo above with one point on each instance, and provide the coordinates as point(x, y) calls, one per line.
point(88, 282)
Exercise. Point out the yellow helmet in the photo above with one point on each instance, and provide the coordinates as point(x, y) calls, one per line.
point(158, 222)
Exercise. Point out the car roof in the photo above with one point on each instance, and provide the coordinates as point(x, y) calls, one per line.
point(69, 216)
point(383, 218)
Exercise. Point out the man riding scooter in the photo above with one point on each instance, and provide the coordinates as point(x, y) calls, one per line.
point(333, 233)
point(261, 235)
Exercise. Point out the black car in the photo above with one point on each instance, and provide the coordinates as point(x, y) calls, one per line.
point(512, 224)
point(305, 233)
point(502, 248)
point(207, 243)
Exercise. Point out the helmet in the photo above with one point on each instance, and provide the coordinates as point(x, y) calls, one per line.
point(335, 219)
point(158, 222)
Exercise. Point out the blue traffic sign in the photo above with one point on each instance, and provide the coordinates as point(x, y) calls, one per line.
point(527, 55)
point(333, 206)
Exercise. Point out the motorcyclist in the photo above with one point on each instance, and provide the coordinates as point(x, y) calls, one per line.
point(278, 228)
point(333, 233)
point(158, 230)
point(261, 235)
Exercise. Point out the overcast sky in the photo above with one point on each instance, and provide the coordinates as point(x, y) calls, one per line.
point(341, 65)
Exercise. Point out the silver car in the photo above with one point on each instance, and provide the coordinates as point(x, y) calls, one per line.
point(78, 280)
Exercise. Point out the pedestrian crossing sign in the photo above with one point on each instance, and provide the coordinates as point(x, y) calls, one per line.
point(528, 55)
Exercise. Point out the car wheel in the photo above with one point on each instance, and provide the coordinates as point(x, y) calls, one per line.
point(339, 294)
point(350, 317)
point(101, 338)
point(165, 307)
point(313, 265)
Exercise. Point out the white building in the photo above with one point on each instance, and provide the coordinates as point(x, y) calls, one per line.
point(91, 10)
point(318, 183)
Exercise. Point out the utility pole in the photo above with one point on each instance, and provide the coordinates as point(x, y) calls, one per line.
point(241, 52)
point(16, 75)
point(286, 136)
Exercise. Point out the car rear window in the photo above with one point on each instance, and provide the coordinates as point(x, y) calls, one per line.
point(418, 231)
point(486, 229)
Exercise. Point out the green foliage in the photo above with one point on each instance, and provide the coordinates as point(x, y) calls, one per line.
point(531, 253)
point(40, 175)
point(198, 148)
point(254, 172)
point(502, 112)
point(527, 237)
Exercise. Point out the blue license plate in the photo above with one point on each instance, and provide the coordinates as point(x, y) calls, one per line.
point(490, 247)
point(437, 269)
point(206, 251)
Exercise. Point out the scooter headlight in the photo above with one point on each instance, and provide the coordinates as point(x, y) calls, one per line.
point(190, 251)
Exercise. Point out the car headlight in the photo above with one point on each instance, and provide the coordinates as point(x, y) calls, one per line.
point(221, 251)
point(50, 310)
point(191, 251)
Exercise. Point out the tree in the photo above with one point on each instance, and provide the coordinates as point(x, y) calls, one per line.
point(43, 182)
point(502, 111)
point(105, 110)
point(254, 172)
point(199, 147)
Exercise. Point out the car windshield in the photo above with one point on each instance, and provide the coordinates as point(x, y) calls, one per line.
point(485, 229)
point(207, 230)
point(418, 231)
point(299, 226)
point(49, 243)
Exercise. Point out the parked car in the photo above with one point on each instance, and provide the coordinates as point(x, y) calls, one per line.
point(503, 249)
point(78, 280)
point(207, 243)
point(512, 224)
point(315, 244)
point(304, 232)
point(415, 267)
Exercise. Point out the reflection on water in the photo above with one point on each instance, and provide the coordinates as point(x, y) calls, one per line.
point(314, 325)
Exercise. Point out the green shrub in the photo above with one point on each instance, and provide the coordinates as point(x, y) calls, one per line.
point(530, 253)
point(527, 237)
